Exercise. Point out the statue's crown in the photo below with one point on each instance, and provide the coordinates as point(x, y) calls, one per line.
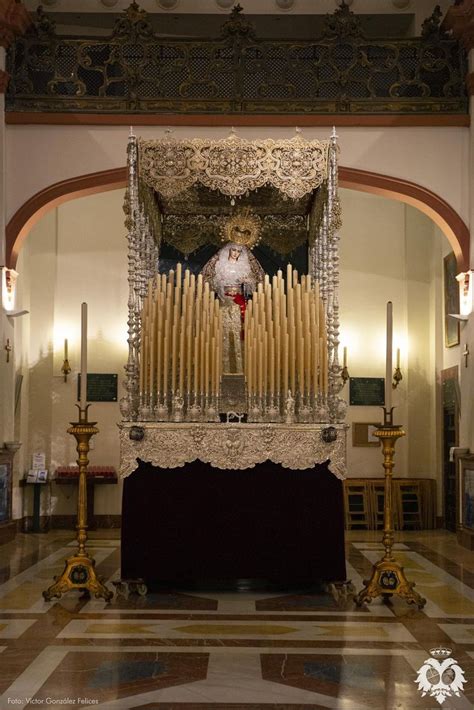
point(243, 227)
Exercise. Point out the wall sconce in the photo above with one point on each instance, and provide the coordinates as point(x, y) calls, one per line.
point(397, 375)
point(66, 368)
point(9, 277)
point(344, 372)
point(466, 294)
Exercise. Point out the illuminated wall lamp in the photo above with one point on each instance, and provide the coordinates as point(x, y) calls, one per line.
point(397, 375)
point(466, 295)
point(9, 278)
point(66, 368)
point(344, 372)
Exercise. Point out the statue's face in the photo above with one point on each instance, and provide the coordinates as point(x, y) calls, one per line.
point(234, 253)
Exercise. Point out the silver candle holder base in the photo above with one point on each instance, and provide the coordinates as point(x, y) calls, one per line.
point(194, 411)
point(145, 412)
point(177, 408)
point(255, 409)
point(305, 413)
point(161, 411)
point(290, 409)
point(211, 411)
point(272, 413)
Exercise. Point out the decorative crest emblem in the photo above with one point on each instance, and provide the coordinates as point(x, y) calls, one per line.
point(440, 679)
point(243, 228)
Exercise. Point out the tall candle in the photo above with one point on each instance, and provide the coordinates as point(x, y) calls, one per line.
point(260, 368)
point(202, 357)
point(388, 363)
point(321, 365)
point(344, 362)
point(218, 363)
point(292, 359)
point(189, 372)
point(272, 367)
point(196, 365)
point(213, 365)
point(398, 358)
point(83, 397)
point(159, 365)
point(153, 356)
point(285, 364)
point(166, 359)
point(182, 355)
point(174, 355)
point(66, 350)
point(301, 361)
point(206, 368)
point(145, 365)
point(277, 357)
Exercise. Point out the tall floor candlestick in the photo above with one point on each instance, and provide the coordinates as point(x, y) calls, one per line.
point(79, 571)
point(388, 577)
point(388, 363)
point(83, 396)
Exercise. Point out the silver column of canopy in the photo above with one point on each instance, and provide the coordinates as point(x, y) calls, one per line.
point(143, 253)
point(324, 267)
point(337, 406)
point(129, 403)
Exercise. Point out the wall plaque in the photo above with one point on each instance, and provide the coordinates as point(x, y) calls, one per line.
point(367, 391)
point(100, 387)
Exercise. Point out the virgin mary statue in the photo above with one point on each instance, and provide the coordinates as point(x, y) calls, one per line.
point(234, 274)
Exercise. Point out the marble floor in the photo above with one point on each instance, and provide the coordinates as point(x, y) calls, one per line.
point(246, 650)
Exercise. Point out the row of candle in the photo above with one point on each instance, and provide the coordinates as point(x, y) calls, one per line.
point(181, 337)
point(285, 338)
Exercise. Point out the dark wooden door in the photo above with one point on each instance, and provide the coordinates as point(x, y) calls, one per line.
point(450, 419)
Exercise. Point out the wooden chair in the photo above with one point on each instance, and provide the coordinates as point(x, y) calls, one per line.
point(356, 505)
point(378, 499)
point(409, 505)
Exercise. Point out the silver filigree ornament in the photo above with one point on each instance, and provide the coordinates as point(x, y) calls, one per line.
point(234, 165)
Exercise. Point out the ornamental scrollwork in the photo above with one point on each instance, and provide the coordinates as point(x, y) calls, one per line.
point(233, 446)
point(234, 165)
point(136, 70)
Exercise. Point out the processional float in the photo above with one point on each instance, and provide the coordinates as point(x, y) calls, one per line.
point(231, 338)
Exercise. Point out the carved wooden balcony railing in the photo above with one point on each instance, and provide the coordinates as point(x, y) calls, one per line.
point(135, 71)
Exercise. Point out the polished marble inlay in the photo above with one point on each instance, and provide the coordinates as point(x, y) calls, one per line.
point(256, 650)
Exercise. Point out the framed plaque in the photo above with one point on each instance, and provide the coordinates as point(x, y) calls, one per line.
point(363, 434)
point(451, 301)
point(465, 500)
point(101, 387)
point(367, 391)
point(5, 492)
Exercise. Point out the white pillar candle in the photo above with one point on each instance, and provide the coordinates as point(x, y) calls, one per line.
point(388, 363)
point(83, 397)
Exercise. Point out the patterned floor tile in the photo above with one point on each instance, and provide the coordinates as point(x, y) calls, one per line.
point(242, 650)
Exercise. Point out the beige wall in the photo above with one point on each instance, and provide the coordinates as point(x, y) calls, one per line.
point(388, 253)
point(436, 158)
point(421, 8)
point(78, 252)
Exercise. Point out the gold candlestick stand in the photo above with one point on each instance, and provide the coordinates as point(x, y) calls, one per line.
point(388, 577)
point(79, 572)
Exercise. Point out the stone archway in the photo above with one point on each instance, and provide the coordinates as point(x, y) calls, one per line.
point(434, 206)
